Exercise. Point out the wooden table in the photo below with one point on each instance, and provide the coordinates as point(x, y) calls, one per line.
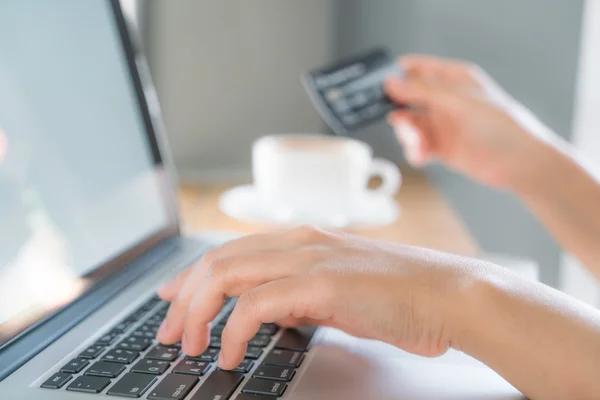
point(426, 219)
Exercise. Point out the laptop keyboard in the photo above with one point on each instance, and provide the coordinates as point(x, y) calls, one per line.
point(128, 362)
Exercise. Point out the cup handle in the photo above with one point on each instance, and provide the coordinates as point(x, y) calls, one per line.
point(391, 178)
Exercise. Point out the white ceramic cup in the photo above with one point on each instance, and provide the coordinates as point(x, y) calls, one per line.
point(298, 174)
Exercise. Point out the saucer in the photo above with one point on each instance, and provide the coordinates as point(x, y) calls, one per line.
point(371, 209)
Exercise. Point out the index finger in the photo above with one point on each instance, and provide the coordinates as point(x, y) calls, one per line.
point(444, 70)
point(414, 92)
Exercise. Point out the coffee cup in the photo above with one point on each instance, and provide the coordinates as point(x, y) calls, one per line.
point(298, 175)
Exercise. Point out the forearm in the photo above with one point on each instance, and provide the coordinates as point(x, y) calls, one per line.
point(543, 342)
point(565, 197)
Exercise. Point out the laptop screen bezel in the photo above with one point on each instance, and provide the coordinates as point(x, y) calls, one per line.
point(22, 324)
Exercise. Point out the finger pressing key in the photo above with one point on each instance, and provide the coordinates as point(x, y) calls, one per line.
point(232, 277)
point(273, 301)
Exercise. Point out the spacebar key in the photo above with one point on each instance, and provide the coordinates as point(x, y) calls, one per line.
point(219, 385)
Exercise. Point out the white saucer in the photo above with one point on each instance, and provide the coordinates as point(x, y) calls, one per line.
point(244, 203)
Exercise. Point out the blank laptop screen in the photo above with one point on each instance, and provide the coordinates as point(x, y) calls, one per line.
point(79, 183)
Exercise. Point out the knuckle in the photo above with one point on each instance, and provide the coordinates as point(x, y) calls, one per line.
point(248, 304)
point(311, 234)
point(218, 271)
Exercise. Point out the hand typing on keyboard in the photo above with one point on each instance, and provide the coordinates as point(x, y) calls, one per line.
point(398, 294)
point(419, 300)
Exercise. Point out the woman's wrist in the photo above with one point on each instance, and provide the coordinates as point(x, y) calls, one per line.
point(531, 168)
point(475, 287)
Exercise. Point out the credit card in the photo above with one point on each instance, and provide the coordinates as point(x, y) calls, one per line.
point(349, 95)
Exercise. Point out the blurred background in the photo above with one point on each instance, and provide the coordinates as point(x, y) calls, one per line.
point(227, 72)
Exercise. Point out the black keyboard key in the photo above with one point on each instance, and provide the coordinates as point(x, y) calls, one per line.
point(105, 369)
point(296, 339)
point(265, 387)
point(152, 367)
point(108, 338)
point(122, 356)
point(135, 343)
point(151, 303)
point(173, 387)
point(147, 328)
point(137, 315)
point(253, 353)
point(215, 342)
point(260, 341)
point(122, 326)
point(221, 324)
point(146, 307)
point(143, 334)
point(92, 352)
point(74, 366)
point(154, 320)
point(57, 380)
point(153, 325)
point(284, 358)
point(219, 385)
point(274, 372)
point(164, 307)
point(190, 367)
point(268, 329)
point(164, 353)
point(244, 396)
point(209, 355)
point(89, 384)
point(132, 385)
point(244, 366)
point(217, 330)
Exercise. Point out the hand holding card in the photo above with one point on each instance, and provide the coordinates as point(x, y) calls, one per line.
point(349, 95)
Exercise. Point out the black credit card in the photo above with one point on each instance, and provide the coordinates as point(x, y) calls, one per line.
point(349, 95)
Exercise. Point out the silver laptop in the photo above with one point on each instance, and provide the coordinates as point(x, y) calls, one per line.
point(89, 229)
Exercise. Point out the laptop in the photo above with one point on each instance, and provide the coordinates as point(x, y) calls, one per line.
point(89, 229)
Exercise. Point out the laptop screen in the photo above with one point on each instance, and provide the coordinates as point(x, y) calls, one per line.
point(80, 183)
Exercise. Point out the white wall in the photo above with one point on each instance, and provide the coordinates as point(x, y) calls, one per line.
point(228, 71)
point(575, 280)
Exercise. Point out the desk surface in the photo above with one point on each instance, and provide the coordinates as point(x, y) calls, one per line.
point(426, 220)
